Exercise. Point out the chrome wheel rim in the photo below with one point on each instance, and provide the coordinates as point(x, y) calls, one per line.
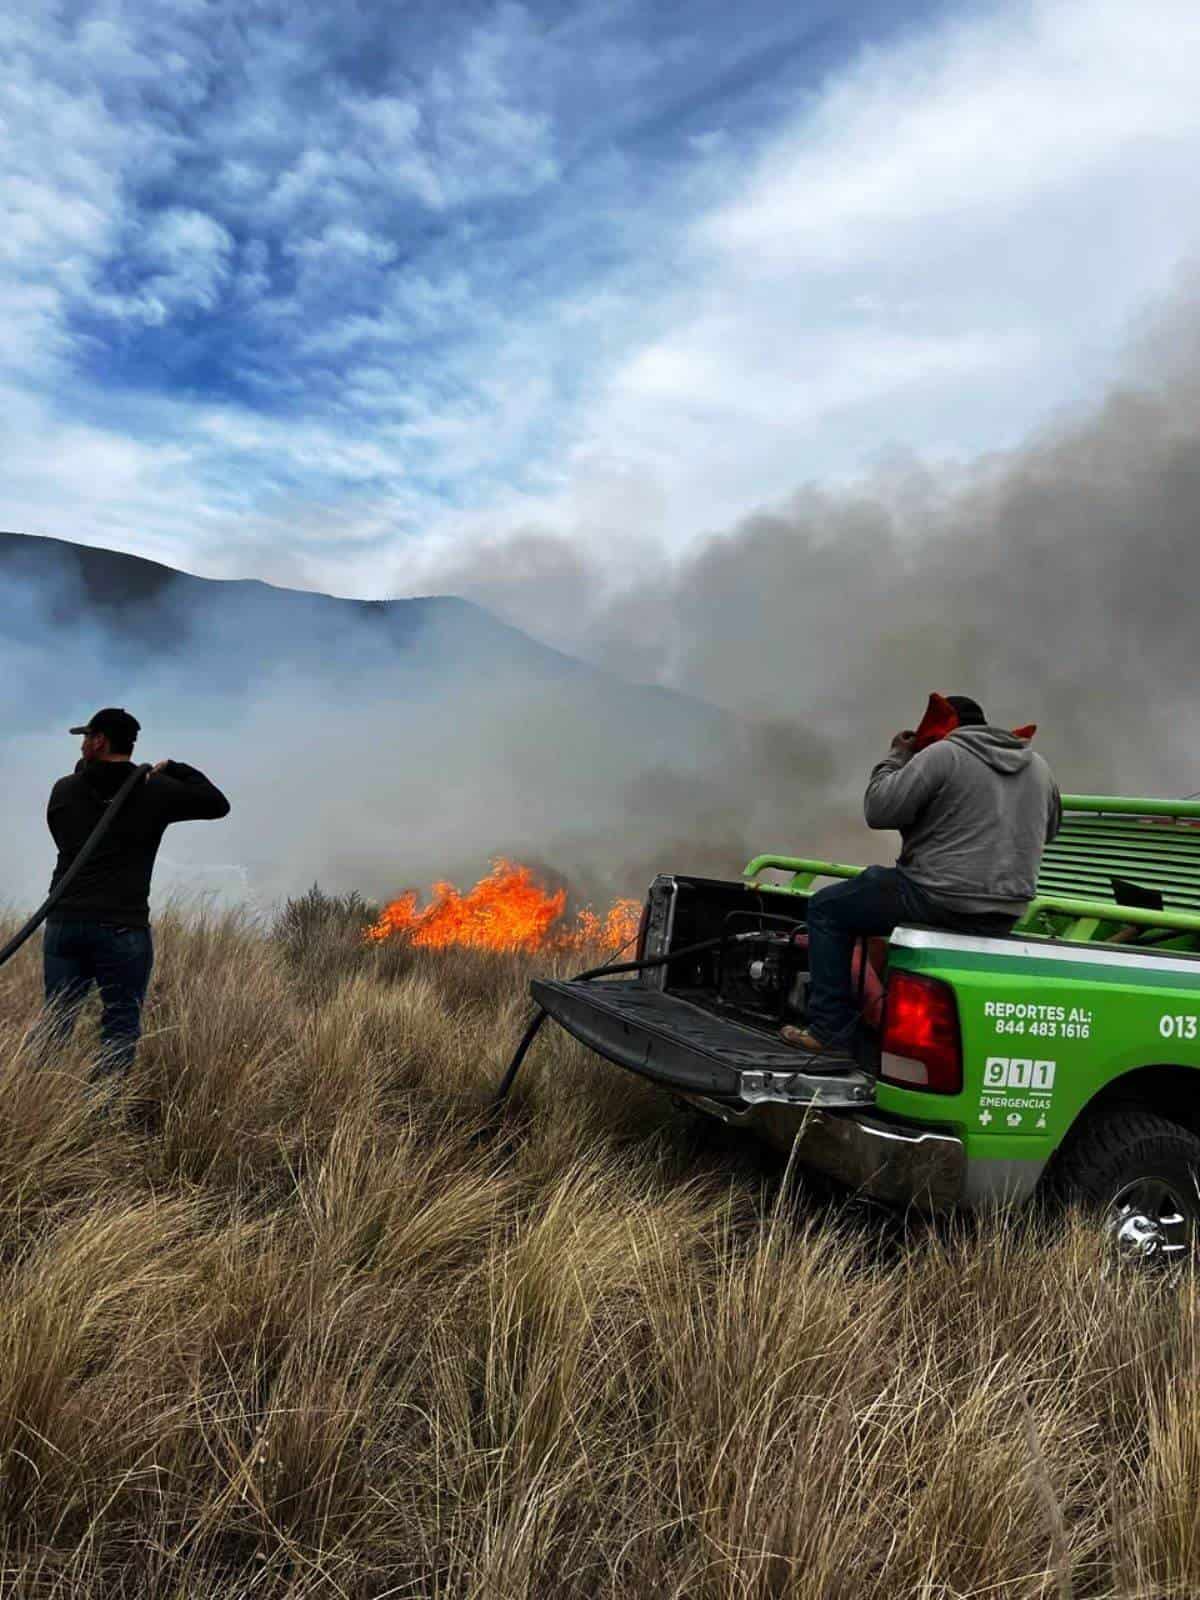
point(1148, 1221)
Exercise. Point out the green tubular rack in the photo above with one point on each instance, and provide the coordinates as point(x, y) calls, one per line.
point(1152, 843)
point(802, 869)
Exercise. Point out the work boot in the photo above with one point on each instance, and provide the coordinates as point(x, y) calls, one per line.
point(823, 1057)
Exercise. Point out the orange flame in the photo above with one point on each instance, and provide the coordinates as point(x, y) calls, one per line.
point(507, 910)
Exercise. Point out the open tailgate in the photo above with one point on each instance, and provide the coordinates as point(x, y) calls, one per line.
point(682, 1046)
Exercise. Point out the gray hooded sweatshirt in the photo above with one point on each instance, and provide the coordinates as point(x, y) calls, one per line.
point(974, 812)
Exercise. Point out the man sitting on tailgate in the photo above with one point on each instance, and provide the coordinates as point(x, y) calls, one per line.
point(975, 806)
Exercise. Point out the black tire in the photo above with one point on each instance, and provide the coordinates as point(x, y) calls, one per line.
point(1140, 1174)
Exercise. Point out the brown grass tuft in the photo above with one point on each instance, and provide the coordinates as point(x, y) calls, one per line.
point(299, 1323)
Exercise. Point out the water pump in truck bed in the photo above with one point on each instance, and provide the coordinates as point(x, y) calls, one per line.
point(766, 977)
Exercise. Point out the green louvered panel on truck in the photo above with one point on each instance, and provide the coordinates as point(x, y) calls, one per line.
point(1160, 854)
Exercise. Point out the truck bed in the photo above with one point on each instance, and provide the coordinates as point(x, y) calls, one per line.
point(683, 1046)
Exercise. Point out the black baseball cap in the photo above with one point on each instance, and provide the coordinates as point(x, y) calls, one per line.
point(117, 725)
point(970, 712)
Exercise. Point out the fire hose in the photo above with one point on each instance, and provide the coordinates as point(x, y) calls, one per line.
point(111, 809)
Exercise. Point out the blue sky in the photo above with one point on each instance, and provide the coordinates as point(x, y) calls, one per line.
point(337, 295)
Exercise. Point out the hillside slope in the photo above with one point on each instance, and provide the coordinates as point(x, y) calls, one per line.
point(146, 611)
point(363, 744)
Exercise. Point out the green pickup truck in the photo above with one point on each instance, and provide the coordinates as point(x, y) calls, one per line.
point(1063, 1057)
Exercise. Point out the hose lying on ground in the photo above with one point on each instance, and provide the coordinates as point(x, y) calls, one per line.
point(68, 877)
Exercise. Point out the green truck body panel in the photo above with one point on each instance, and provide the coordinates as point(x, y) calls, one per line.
point(1044, 1032)
point(1099, 980)
point(1054, 1015)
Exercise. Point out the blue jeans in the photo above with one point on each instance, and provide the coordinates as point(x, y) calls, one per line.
point(119, 960)
point(870, 905)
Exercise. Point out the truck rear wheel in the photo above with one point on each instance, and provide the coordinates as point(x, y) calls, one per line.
point(1139, 1172)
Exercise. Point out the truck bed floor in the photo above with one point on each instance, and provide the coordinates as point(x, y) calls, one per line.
point(671, 1040)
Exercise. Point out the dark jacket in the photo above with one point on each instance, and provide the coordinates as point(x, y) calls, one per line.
point(114, 885)
point(975, 811)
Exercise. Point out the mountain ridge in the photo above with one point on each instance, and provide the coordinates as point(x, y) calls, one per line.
point(363, 743)
point(151, 607)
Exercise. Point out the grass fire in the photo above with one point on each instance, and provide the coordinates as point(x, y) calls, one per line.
point(506, 911)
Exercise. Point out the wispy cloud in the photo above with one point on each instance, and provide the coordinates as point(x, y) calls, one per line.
point(939, 251)
point(333, 297)
point(180, 263)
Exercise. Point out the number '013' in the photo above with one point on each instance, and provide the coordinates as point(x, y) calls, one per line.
point(1177, 1027)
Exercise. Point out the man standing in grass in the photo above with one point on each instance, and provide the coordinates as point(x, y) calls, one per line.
point(99, 932)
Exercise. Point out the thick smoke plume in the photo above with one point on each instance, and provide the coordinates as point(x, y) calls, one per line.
point(1056, 584)
point(362, 748)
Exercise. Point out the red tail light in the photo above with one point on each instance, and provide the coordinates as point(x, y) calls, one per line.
point(922, 1046)
point(643, 928)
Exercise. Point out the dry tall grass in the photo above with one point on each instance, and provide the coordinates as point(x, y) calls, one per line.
point(300, 1325)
